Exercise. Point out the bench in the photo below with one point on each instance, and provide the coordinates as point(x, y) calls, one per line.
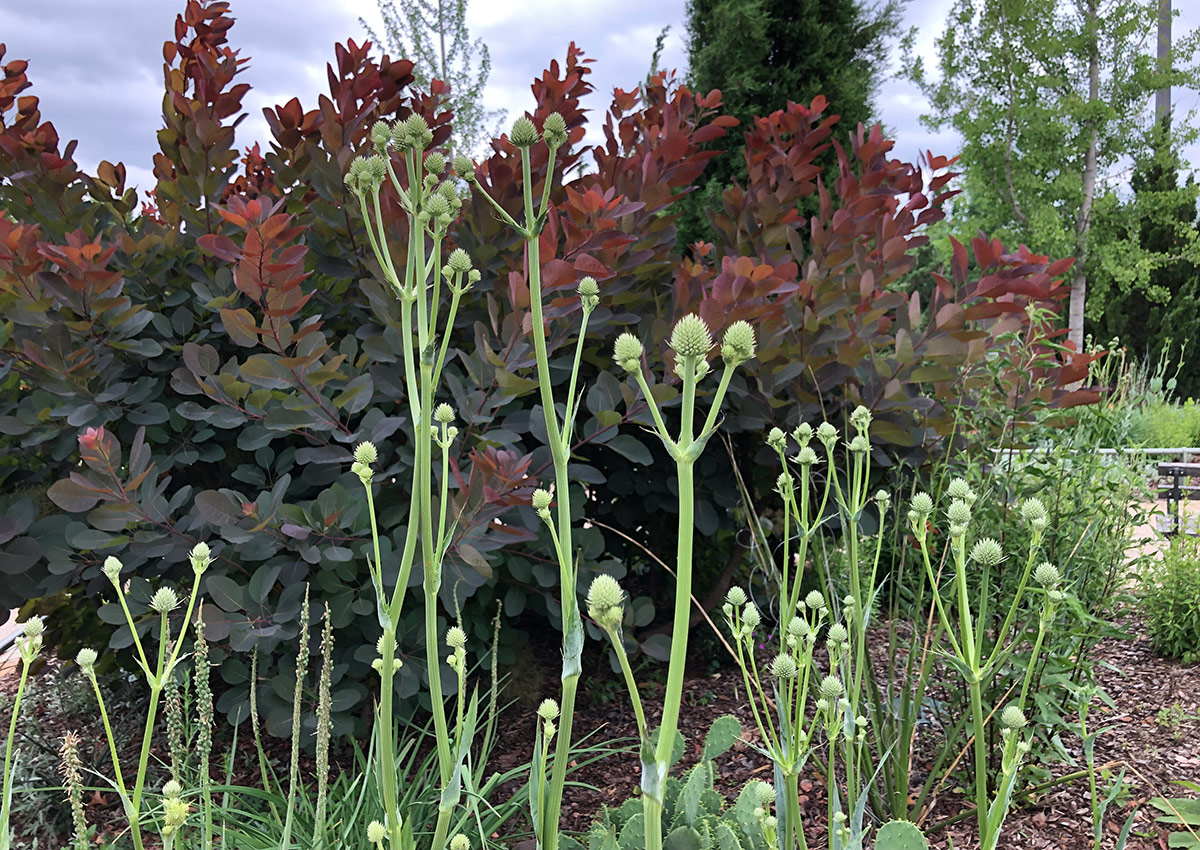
point(1178, 491)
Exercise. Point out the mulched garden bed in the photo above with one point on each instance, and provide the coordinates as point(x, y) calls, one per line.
point(1155, 737)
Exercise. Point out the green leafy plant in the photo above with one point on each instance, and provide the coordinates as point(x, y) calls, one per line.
point(1170, 599)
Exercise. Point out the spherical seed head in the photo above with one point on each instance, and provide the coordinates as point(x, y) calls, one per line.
point(437, 205)
point(376, 832)
point(987, 552)
point(690, 337)
point(588, 288)
point(418, 130)
point(959, 512)
point(164, 600)
point(627, 352)
point(541, 499)
point(806, 456)
point(861, 418)
point(443, 413)
point(112, 569)
point(827, 434)
point(524, 132)
point(34, 627)
point(381, 134)
point(739, 344)
point(859, 444)
point(802, 433)
point(1046, 574)
point(736, 596)
point(815, 600)
point(460, 261)
point(172, 789)
point(554, 128)
point(838, 634)
point(764, 794)
point(365, 453)
point(960, 489)
point(456, 638)
point(783, 666)
point(797, 627)
point(605, 593)
point(548, 710)
point(435, 163)
point(86, 659)
point(832, 688)
point(776, 439)
point(464, 168)
point(1034, 513)
point(1012, 717)
point(374, 172)
point(922, 504)
point(750, 616)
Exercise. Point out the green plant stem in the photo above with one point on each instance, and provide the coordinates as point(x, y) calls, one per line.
point(981, 751)
point(795, 827)
point(8, 750)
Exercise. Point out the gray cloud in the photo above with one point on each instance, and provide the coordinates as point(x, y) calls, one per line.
point(98, 71)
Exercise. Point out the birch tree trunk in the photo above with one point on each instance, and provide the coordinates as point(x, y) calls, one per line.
point(1083, 221)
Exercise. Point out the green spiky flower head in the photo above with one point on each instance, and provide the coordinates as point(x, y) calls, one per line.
point(1012, 717)
point(606, 602)
point(554, 129)
point(548, 710)
point(736, 596)
point(164, 601)
point(922, 504)
point(987, 552)
point(460, 842)
point(776, 439)
point(783, 666)
point(764, 794)
point(460, 261)
point(627, 352)
point(832, 688)
point(418, 131)
point(739, 344)
point(366, 453)
point(1034, 513)
point(86, 659)
point(802, 433)
point(443, 414)
point(381, 135)
point(807, 456)
point(589, 293)
point(376, 832)
point(960, 489)
point(861, 419)
point(201, 557)
point(464, 168)
point(959, 512)
point(690, 337)
point(827, 434)
point(838, 634)
point(456, 638)
point(112, 569)
point(1046, 575)
point(435, 163)
point(815, 600)
point(524, 132)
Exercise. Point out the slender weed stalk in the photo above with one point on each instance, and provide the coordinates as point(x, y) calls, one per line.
point(71, 768)
point(29, 644)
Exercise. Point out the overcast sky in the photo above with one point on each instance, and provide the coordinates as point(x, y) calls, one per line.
point(98, 71)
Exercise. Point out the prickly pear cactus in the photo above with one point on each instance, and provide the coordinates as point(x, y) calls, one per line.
point(900, 835)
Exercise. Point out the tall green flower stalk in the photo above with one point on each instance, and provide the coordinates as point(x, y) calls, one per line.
point(421, 282)
point(780, 702)
point(157, 674)
point(546, 797)
point(29, 644)
point(970, 652)
point(691, 341)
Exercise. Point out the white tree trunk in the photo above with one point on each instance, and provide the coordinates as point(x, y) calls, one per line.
point(1083, 223)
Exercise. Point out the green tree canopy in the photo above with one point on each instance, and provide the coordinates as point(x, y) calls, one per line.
point(1053, 101)
point(763, 53)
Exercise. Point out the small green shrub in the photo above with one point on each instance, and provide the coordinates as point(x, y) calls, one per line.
point(1167, 425)
point(1171, 600)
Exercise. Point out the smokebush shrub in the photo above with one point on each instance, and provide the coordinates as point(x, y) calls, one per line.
point(202, 367)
